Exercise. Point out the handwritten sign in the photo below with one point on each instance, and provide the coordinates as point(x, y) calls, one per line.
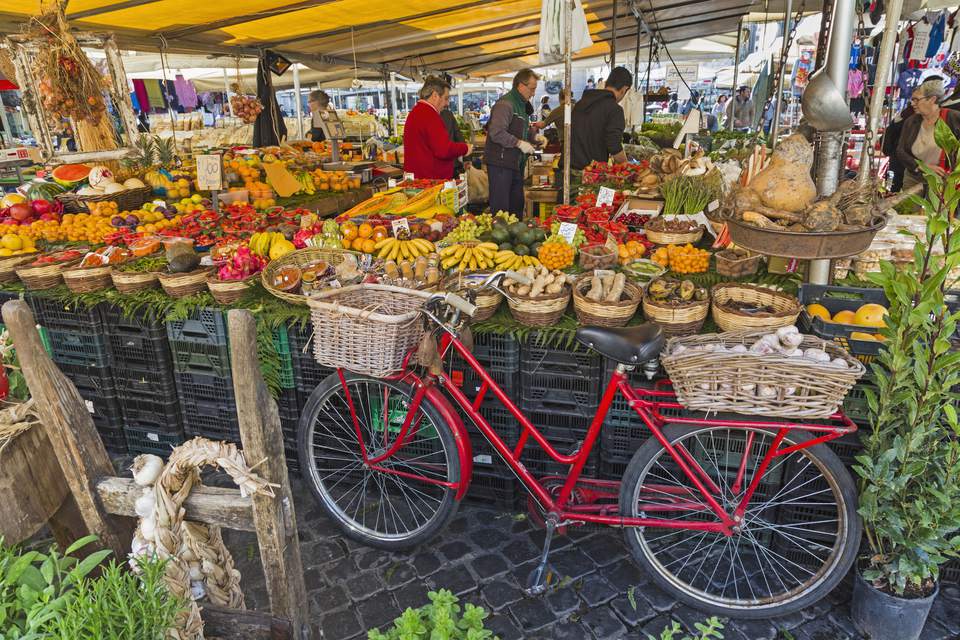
point(409, 176)
point(567, 231)
point(605, 197)
point(391, 183)
point(209, 173)
point(611, 243)
point(400, 225)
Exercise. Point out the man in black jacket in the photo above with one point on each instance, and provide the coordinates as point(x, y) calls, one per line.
point(598, 122)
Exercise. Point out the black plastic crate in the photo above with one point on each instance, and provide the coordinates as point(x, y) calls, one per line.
point(6, 296)
point(156, 442)
point(855, 404)
point(53, 314)
point(493, 490)
point(847, 447)
point(611, 469)
point(307, 372)
point(539, 463)
point(96, 379)
point(469, 381)
point(289, 428)
point(288, 405)
point(568, 394)
point(950, 573)
point(560, 424)
point(837, 299)
point(99, 398)
point(575, 360)
point(485, 457)
point(137, 349)
point(111, 432)
point(81, 348)
point(206, 325)
point(213, 420)
point(145, 382)
point(144, 323)
point(200, 357)
point(501, 351)
point(161, 416)
point(199, 387)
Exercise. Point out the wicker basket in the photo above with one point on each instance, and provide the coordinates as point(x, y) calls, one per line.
point(8, 266)
point(787, 308)
point(736, 267)
point(88, 279)
point(133, 281)
point(127, 200)
point(181, 285)
point(542, 311)
point(299, 259)
point(666, 237)
point(605, 314)
point(45, 276)
point(681, 320)
point(487, 301)
point(366, 328)
point(228, 291)
point(770, 385)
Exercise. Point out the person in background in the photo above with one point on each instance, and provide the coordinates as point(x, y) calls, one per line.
point(719, 112)
point(917, 143)
point(318, 101)
point(544, 108)
point(741, 110)
point(598, 122)
point(591, 84)
point(555, 116)
point(510, 140)
point(693, 102)
point(891, 139)
point(768, 114)
point(453, 130)
point(428, 151)
point(673, 106)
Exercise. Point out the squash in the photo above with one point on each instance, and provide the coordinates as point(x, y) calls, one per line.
point(785, 184)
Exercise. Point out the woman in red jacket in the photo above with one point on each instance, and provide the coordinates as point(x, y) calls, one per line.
point(428, 151)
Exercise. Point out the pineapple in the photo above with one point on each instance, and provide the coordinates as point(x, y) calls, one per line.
point(143, 159)
point(166, 151)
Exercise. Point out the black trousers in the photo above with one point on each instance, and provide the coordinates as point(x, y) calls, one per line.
point(506, 190)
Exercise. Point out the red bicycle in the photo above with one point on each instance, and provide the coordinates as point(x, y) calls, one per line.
point(748, 519)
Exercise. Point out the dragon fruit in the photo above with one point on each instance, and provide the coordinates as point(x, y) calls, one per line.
point(243, 264)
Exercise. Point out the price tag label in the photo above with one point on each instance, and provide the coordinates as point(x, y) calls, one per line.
point(605, 196)
point(449, 184)
point(602, 273)
point(153, 437)
point(391, 183)
point(89, 404)
point(611, 243)
point(366, 261)
point(409, 176)
point(334, 284)
point(482, 458)
point(400, 225)
point(567, 231)
point(209, 172)
point(713, 206)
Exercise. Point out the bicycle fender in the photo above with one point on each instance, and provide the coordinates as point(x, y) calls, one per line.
point(460, 436)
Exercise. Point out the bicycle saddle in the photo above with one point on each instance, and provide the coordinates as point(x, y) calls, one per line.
point(629, 345)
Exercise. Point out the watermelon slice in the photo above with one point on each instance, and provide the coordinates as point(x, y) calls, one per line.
point(70, 175)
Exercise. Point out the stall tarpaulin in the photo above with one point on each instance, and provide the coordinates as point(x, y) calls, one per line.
point(269, 128)
point(552, 23)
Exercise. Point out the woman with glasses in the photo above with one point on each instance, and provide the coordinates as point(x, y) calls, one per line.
point(917, 143)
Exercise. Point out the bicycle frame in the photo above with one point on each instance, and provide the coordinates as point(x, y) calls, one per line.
point(647, 403)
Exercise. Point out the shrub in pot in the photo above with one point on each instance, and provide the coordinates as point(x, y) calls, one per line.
point(910, 463)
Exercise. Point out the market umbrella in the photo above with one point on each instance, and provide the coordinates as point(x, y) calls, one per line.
point(269, 128)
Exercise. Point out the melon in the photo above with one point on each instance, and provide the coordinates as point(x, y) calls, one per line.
point(70, 175)
point(42, 190)
point(133, 183)
point(11, 199)
point(99, 176)
point(89, 191)
point(112, 187)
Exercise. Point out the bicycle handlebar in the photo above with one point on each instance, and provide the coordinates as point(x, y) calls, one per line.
point(459, 303)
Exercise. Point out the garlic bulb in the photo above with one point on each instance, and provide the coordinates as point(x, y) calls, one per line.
point(679, 349)
point(146, 504)
point(748, 388)
point(738, 348)
point(196, 573)
point(789, 391)
point(767, 391)
point(148, 528)
point(726, 387)
point(792, 353)
point(197, 590)
point(840, 363)
point(789, 339)
point(146, 469)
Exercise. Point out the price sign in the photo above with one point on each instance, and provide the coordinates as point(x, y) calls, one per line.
point(409, 176)
point(605, 197)
point(366, 261)
point(611, 243)
point(567, 231)
point(602, 273)
point(713, 206)
point(209, 173)
point(334, 284)
point(400, 225)
point(391, 183)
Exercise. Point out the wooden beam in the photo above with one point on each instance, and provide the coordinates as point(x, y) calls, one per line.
point(249, 17)
point(262, 439)
point(209, 505)
point(110, 8)
point(221, 622)
point(70, 428)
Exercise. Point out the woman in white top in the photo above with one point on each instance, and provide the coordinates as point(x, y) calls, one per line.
point(720, 110)
point(917, 143)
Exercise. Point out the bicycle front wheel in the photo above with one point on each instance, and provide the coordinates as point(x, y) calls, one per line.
point(399, 505)
point(798, 538)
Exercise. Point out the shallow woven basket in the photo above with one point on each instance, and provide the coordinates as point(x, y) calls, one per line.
point(228, 291)
point(366, 328)
point(300, 258)
point(487, 301)
point(127, 200)
point(665, 237)
point(723, 381)
point(542, 311)
point(677, 321)
point(605, 314)
point(787, 307)
point(181, 285)
point(738, 268)
point(45, 276)
point(88, 279)
point(8, 266)
point(133, 281)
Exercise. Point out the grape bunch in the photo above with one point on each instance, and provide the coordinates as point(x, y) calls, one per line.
point(507, 217)
point(466, 230)
point(484, 222)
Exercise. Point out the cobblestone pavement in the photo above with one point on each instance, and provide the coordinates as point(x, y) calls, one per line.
point(484, 557)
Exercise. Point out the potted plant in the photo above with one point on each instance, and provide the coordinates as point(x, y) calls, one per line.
point(909, 494)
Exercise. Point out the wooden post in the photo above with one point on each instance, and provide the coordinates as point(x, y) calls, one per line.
point(31, 97)
point(71, 431)
point(262, 440)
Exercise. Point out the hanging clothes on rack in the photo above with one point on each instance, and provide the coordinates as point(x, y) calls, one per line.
point(186, 94)
point(140, 90)
point(154, 94)
point(938, 22)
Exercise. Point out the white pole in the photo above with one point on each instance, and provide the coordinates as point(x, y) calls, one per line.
point(7, 133)
point(393, 101)
point(297, 107)
point(567, 78)
point(226, 89)
point(460, 98)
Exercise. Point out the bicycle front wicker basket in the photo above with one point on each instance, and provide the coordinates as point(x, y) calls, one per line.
point(772, 385)
point(366, 328)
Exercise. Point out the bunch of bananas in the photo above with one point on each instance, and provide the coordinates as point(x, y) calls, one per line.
point(394, 249)
point(307, 185)
point(468, 256)
point(509, 260)
point(261, 242)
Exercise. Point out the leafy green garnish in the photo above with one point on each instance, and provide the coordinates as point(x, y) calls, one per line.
point(144, 265)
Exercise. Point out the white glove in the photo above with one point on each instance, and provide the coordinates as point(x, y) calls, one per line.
point(541, 140)
point(525, 147)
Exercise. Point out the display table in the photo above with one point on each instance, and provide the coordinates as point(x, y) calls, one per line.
point(326, 205)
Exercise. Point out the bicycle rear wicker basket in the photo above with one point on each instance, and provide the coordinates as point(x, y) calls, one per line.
point(772, 385)
point(366, 328)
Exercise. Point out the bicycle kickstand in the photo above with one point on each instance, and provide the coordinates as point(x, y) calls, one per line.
point(537, 580)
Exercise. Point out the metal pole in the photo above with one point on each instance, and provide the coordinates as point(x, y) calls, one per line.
point(393, 101)
point(778, 85)
point(226, 90)
point(649, 60)
point(613, 42)
point(297, 107)
point(6, 126)
point(460, 98)
point(567, 81)
point(736, 75)
point(884, 62)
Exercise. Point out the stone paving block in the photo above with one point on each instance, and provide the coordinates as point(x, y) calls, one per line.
point(655, 626)
point(603, 549)
point(489, 565)
point(625, 575)
point(689, 617)
point(339, 569)
point(565, 630)
point(456, 578)
point(603, 624)
point(330, 598)
point(819, 630)
point(572, 563)
point(341, 625)
point(455, 550)
point(378, 611)
point(563, 601)
point(934, 630)
point(595, 591)
point(504, 627)
point(658, 599)
point(322, 551)
point(501, 593)
point(413, 595)
point(487, 538)
point(635, 613)
point(426, 563)
point(519, 550)
point(396, 573)
point(751, 629)
point(532, 614)
point(947, 612)
point(363, 585)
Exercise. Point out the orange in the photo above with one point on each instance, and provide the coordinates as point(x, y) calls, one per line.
point(349, 231)
point(870, 315)
point(368, 246)
point(845, 317)
point(365, 230)
point(380, 232)
point(818, 311)
point(357, 244)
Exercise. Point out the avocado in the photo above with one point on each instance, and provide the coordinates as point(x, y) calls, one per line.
point(521, 250)
point(527, 236)
point(486, 236)
point(505, 246)
point(500, 234)
point(535, 248)
point(539, 235)
point(516, 229)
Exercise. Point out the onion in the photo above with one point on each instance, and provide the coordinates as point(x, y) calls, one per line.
point(146, 469)
point(146, 504)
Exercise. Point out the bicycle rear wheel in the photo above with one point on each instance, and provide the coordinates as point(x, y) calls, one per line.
point(799, 535)
point(375, 507)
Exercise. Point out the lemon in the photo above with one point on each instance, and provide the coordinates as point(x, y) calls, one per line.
point(183, 182)
point(196, 198)
point(4, 252)
point(12, 242)
point(844, 317)
point(859, 335)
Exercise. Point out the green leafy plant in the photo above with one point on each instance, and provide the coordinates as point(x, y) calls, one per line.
point(909, 494)
point(705, 631)
point(439, 620)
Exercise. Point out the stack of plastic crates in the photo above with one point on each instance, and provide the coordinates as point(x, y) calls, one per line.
point(78, 345)
point(143, 375)
point(288, 401)
point(307, 374)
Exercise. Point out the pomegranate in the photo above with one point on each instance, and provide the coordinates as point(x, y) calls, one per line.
point(41, 207)
point(20, 211)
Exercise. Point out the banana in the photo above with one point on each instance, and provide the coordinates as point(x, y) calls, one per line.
point(425, 245)
point(404, 250)
point(394, 251)
point(489, 246)
point(385, 246)
point(380, 244)
point(481, 251)
point(503, 255)
point(447, 251)
point(473, 263)
point(446, 263)
point(461, 248)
